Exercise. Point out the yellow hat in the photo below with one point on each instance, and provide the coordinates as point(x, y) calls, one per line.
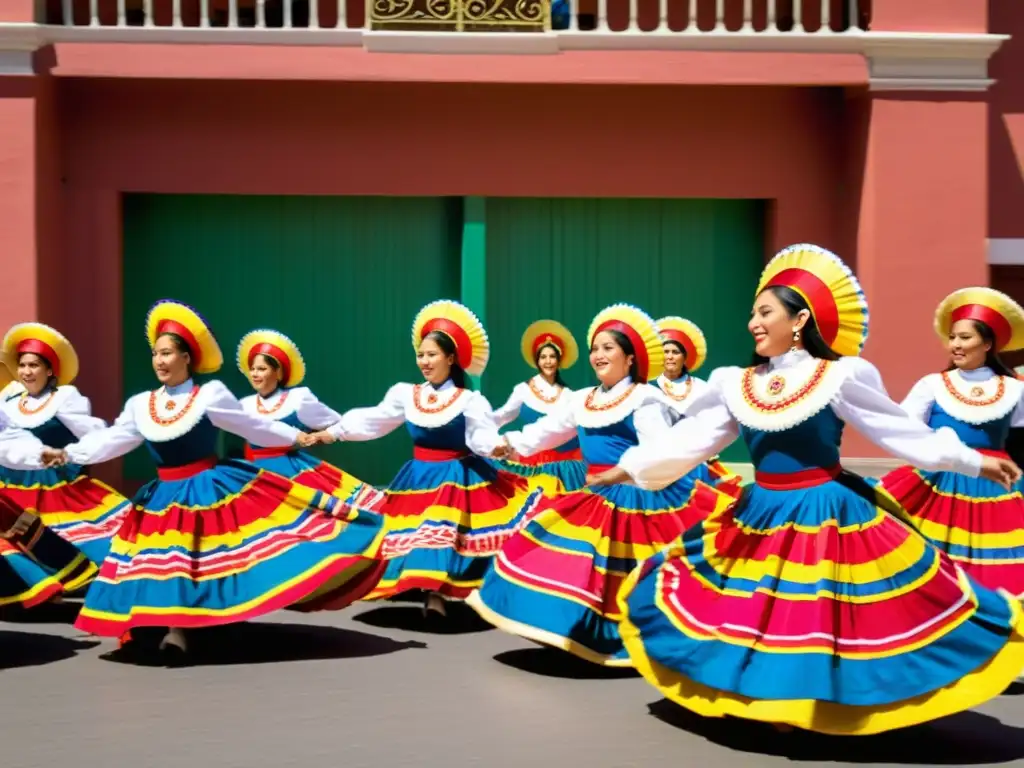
point(832, 292)
point(996, 310)
point(46, 342)
point(472, 349)
point(264, 341)
point(168, 316)
point(544, 332)
point(640, 329)
point(686, 334)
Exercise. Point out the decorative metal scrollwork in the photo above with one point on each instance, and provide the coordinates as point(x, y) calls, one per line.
point(460, 15)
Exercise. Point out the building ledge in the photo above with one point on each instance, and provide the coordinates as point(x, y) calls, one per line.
point(894, 60)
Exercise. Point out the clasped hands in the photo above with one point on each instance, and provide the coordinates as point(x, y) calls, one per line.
point(309, 439)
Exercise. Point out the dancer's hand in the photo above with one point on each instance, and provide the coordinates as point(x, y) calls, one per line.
point(323, 437)
point(504, 451)
point(1002, 471)
point(306, 440)
point(613, 476)
point(22, 524)
point(54, 457)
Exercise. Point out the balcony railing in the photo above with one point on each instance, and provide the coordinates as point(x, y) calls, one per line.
point(775, 23)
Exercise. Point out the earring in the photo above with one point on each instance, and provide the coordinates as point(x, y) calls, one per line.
point(796, 338)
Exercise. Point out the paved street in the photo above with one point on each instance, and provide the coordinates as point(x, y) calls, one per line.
point(372, 687)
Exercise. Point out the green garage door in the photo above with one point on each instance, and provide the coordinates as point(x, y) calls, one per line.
point(566, 259)
point(342, 276)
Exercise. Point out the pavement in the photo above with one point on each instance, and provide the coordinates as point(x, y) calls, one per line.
point(375, 686)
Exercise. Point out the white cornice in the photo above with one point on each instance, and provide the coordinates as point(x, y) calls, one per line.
point(896, 60)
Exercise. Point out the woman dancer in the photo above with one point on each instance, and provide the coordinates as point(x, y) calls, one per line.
point(448, 510)
point(275, 368)
point(808, 602)
point(550, 348)
point(556, 580)
point(212, 542)
point(979, 524)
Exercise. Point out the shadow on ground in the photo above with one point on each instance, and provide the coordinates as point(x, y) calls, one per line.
point(461, 619)
point(269, 643)
point(552, 662)
point(48, 613)
point(968, 738)
point(33, 649)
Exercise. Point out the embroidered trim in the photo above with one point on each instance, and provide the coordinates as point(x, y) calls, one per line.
point(752, 409)
point(264, 411)
point(540, 395)
point(976, 407)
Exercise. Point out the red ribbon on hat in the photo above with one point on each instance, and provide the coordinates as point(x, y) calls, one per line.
point(684, 341)
point(548, 338)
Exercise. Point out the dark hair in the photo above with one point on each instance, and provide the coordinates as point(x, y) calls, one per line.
point(622, 342)
point(182, 346)
point(794, 303)
point(444, 341)
point(992, 359)
point(682, 349)
point(558, 356)
point(271, 361)
point(51, 379)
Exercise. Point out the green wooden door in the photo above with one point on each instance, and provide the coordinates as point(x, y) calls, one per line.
point(568, 258)
point(343, 277)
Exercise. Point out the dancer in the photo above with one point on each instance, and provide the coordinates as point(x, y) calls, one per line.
point(685, 350)
point(80, 509)
point(448, 510)
point(550, 348)
point(556, 580)
point(979, 524)
point(212, 542)
point(275, 369)
point(809, 602)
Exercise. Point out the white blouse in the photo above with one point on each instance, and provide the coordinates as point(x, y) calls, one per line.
point(852, 388)
point(647, 404)
point(413, 403)
point(523, 394)
point(679, 397)
point(135, 425)
point(19, 448)
point(298, 400)
point(69, 406)
point(980, 399)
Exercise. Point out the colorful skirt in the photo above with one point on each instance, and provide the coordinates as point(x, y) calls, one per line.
point(556, 581)
point(83, 511)
point(976, 521)
point(215, 543)
point(551, 471)
point(304, 469)
point(446, 516)
point(818, 608)
point(36, 565)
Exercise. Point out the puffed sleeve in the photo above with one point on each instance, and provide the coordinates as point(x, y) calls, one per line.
point(315, 414)
point(225, 412)
point(652, 418)
point(481, 432)
point(361, 424)
point(548, 432)
point(75, 413)
point(19, 448)
point(919, 400)
point(668, 454)
point(509, 412)
point(1017, 420)
point(108, 443)
point(862, 402)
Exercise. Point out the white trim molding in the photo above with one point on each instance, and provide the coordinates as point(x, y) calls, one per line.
point(1006, 251)
point(927, 62)
point(934, 61)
